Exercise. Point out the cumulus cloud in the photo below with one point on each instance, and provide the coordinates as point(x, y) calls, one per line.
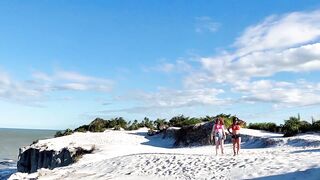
point(230, 69)
point(286, 43)
point(279, 32)
point(280, 94)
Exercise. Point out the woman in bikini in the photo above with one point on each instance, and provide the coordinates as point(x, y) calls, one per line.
point(235, 134)
point(219, 134)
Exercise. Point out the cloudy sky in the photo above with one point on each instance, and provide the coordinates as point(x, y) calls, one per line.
point(63, 63)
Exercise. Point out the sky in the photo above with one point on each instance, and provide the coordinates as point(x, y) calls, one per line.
point(64, 63)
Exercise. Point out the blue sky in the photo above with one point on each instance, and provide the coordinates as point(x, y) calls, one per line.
point(63, 63)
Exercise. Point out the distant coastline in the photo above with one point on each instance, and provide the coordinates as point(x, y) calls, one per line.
point(14, 138)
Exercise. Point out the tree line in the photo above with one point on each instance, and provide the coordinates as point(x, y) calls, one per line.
point(100, 125)
point(291, 126)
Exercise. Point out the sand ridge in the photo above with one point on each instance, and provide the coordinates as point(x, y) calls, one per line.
point(136, 156)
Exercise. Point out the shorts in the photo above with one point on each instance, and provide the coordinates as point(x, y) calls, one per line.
point(235, 136)
point(218, 136)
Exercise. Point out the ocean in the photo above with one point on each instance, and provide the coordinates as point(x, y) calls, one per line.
point(10, 142)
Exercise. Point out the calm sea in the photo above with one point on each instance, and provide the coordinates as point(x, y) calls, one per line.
point(10, 142)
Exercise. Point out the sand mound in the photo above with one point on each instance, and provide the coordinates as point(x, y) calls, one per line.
point(132, 155)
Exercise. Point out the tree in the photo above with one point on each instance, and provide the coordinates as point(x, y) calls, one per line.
point(291, 127)
point(305, 126)
point(207, 119)
point(98, 125)
point(177, 121)
point(160, 124)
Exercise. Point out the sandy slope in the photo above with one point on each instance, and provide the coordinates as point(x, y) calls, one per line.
point(132, 155)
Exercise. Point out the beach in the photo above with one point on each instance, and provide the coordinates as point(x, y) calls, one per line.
point(135, 155)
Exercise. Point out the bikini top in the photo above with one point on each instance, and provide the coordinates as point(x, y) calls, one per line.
point(235, 127)
point(218, 126)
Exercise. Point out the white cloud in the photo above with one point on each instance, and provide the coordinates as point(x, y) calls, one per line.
point(287, 43)
point(229, 69)
point(170, 67)
point(18, 91)
point(180, 98)
point(206, 24)
point(165, 99)
point(278, 32)
point(34, 91)
point(280, 94)
point(68, 80)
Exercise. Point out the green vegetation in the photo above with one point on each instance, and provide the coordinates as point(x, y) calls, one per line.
point(272, 127)
point(291, 127)
point(63, 133)
point(100, 125)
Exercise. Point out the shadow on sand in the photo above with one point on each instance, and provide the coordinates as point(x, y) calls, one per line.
point(310, 174)
point(306, 150)
point(156, 140)
point(6, 173)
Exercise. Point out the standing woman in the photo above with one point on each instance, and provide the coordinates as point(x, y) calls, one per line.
point(219, 134)
point(235, 134)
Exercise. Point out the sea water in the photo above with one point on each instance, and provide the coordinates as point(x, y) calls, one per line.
point(10, 142)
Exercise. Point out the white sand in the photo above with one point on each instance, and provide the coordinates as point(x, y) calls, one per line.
point(133, 155)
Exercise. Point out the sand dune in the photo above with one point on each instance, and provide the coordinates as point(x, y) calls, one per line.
point(133, 155)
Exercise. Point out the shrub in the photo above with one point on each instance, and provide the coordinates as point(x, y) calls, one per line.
point(305, 126)
point(147, 123)
point(83, 128)
point(119, 121)
point(291, 127)
point(177, 121)
point(58, 134)
point(191, 121)
point(316, 125)
point(98, 125)
point(271, 127)
point(117, 128)
point(133, 126)
point(207, 119)
point(160, 124)
point(65, 133)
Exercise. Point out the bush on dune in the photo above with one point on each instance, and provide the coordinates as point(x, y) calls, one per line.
point(98, 125)
point(161, 124)
point(180, 121)
point(83, 128)
point(305, 126)
point(315, 125)
point(292, 126)
point(271, 127)
point(63, 133)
